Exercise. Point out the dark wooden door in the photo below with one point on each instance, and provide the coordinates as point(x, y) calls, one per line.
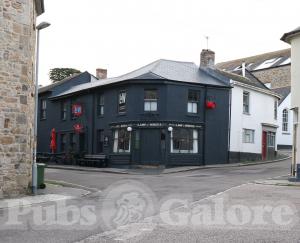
point(150, 153)
point(82, 143)
point(264, 145)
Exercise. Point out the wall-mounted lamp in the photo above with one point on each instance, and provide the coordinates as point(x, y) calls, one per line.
point(129, 129)
point(170, 129)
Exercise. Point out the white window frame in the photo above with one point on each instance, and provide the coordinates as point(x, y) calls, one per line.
point(43, 109)
point(285, 120)
point(150, 105)
point(195, 144)
point(251, 135)
point(116, 143)
point(192, 106)
point(248, 94)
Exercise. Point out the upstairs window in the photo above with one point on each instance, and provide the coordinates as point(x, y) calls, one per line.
point(184, 140)
point(122, 102)
point(121, 141)
point(248, 136)
point(285, 120)
point(193, 98)
point(150, 100)
point(43, 109)
point(64, 110)
point(246, 98)
point(100, 105)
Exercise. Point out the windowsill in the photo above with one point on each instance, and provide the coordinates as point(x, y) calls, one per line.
point(121, 153)
point(63, 120)
point(183, 153)
point(247, 113)
point(249, 142)
point(43, 119)
point(150, 113)
point(121, 114)
point(286, 133)
point(192, 114)
point(100, 116)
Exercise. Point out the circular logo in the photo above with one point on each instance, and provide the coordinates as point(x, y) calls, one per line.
point(126, 202)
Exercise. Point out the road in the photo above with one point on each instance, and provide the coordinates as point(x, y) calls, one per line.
point(148, 191)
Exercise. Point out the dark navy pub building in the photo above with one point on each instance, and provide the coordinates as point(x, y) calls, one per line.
point(167, 113)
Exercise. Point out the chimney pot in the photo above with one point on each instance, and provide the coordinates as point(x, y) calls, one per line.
point(207, 58)
point(101, 73)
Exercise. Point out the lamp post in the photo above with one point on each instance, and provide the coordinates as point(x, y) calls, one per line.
point(41, 26)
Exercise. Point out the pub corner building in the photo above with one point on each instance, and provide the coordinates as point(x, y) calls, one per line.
point(167, 113)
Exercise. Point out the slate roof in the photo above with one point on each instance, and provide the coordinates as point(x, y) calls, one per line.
point(287, 36)
point(284, 92)
point(253, 63)
point(249, 78)
point(160, 70)
point(51, 86)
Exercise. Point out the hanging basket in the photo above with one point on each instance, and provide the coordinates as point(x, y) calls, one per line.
point(210, 105)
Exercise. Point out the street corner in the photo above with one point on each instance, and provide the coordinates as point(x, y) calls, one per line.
point(279, 181)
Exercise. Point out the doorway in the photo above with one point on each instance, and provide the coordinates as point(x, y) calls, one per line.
point(82, 143)
point(150, 153)
point(264, 145)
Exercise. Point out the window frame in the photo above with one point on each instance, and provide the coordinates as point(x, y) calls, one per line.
point(151, 101)
point(100, 104)
point(193, 140)
point(100, 141)
point(64, 110)
point(252, 136)
point(72, 141)
point(285, 120)
point(246, 111)
point(116, 138)
point(193, 103)
point(119, 104)
point(43, 110)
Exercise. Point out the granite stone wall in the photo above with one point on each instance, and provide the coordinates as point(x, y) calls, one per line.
point(17, 55)
point(278, 77)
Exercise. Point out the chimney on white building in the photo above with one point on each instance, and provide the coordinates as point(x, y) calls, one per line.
point(244, 69)
point(101, 73)
point(207, 58)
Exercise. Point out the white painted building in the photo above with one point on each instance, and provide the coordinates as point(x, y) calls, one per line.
point(254, 114)
point(293, 38)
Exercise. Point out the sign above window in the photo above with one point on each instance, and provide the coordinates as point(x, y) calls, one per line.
point(77, 110)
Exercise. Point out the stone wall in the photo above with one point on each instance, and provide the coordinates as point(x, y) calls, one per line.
point(278, 76)
point(17, 50)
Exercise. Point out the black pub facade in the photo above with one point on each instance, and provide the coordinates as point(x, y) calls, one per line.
point(167, 113)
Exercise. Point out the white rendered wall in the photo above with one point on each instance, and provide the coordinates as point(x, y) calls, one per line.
point(295, 81)
point(261, 111)
point(285, 138)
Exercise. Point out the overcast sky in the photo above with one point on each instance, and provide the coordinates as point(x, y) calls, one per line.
point(122, 35)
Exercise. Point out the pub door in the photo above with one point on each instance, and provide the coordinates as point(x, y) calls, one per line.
point(150, 153)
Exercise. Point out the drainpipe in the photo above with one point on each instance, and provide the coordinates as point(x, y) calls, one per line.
point(204, 129)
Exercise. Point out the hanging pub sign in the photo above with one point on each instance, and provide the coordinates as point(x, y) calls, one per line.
point(78, 127)
point(77, 110)
point(210, 104)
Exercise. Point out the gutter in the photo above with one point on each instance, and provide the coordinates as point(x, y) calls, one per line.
point(256, 89)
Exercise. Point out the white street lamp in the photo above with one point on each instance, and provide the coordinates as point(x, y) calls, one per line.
point(41, 26)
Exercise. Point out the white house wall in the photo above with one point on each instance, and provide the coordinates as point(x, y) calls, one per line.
point(285, 138)
point(261, 111)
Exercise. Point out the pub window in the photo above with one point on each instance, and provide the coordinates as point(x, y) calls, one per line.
point(193, 98)
point(122, 101)
point(100, 105)
point(63, 142)
point(285, 120)
point(64, 110)
point(246, 99)
point(100, 141)
point(72, 141)
point(150, 100)
point(184, 140)
point(43, 109)
point(248, 136)
point(121, 141)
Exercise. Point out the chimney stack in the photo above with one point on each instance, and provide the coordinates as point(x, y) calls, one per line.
point(101, 73)
point(207, 58)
